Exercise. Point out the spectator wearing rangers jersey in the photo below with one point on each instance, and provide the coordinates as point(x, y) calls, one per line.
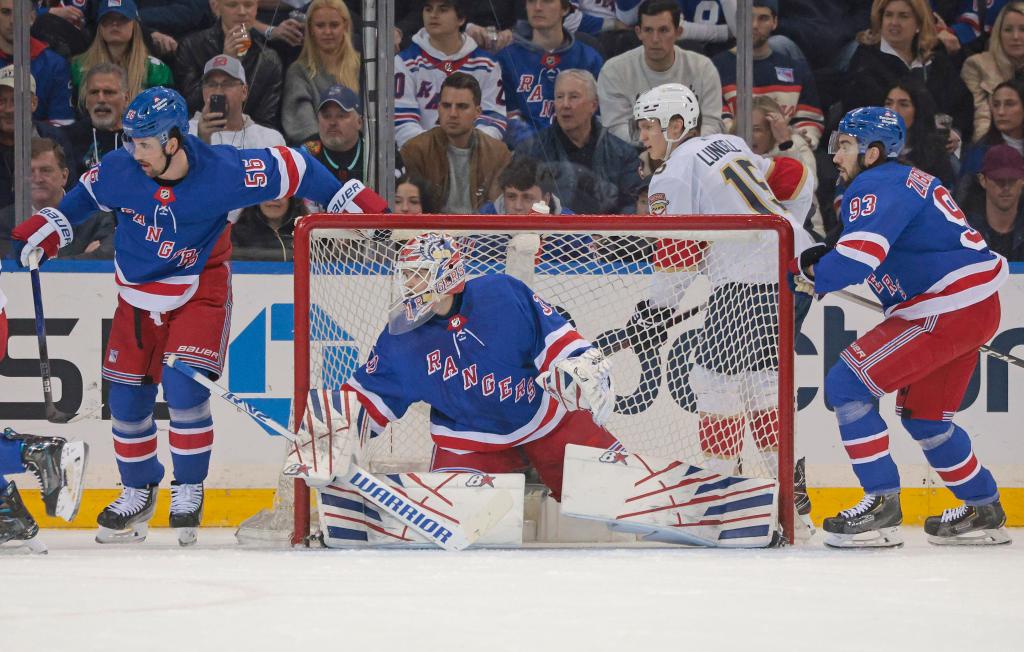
point(460, 162)
point(171, 193)
point(788, 81)
point(438, 50)
point(530, 65)
point(938, 284)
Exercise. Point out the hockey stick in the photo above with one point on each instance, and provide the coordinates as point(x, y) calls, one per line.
point(984, 348)
point(442, 531)
point(617, 340)
point(53, 415)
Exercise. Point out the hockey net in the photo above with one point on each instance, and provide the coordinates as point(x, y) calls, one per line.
point(714, 281)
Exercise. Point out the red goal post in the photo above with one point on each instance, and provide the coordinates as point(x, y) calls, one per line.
point(596, 268)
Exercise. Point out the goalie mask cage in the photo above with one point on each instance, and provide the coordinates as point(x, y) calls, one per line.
point(704, 375)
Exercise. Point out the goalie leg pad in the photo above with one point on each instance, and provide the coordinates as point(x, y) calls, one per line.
point(348, 520)
point(326, 437)
point(668, 500)
point(547, 454)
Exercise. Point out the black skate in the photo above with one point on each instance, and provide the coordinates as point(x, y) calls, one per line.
point(59, 465)
point(126, 520)
point(16, 524)
point(186, 510)
point(872, 523)
point(968, 525)
point(801, 500)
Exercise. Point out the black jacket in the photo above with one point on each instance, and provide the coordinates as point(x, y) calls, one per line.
point(263, 71)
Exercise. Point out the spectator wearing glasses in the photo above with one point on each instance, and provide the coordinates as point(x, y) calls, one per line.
point(224, 76)
point(119, 40)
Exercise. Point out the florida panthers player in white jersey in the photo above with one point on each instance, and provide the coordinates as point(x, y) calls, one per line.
point(438, 50)
point(736, 386)
point(938, 283)
point(171, 193)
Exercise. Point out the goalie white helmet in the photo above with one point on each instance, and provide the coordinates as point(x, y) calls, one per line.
point(428, 267)
point(663, 102)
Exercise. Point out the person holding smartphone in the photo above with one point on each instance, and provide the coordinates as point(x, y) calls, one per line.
point(222, 120)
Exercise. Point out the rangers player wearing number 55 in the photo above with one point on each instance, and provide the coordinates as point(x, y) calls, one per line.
point(938, 283)
point(171, 193)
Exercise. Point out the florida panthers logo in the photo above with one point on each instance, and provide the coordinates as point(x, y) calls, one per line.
point(658, 203)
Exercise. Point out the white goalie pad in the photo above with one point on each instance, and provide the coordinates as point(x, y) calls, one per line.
point(668, 500)
point(347, 520)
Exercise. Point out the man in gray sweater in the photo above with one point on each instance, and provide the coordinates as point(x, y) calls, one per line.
point(658, 61)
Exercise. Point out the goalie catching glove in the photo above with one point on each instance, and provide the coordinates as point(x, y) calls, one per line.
point(326, 438)
point(582, 383)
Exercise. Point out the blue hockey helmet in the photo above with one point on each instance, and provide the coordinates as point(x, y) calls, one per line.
point(872, 124)
point(154, 112)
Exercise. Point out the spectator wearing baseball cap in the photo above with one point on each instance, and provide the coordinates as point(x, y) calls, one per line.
point(1002, 178)
point(49, 69)
point(119, 40)
point(339, 142)
point(224, 76)
point(40, 128)
point(233, 34)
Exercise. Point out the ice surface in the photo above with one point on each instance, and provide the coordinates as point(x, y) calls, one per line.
point(217, 596)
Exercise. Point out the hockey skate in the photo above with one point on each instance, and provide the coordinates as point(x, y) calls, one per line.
point(802, 501)
point(186, 511)
point(59, 465)
point(968, 525)
point(16, 524)
point(126, 520)
point(872, 523)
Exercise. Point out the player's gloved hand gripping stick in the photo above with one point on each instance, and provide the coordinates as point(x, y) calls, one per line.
point(322, 456)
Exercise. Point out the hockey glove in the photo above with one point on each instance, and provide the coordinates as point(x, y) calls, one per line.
point(354, 197)
point(48, 230)
point(582, 383)
point(648, 327)
point(326, 438)
point(801, 267)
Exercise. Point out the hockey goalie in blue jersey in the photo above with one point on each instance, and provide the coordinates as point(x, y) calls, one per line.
point(171, 194)
point(472, 350)
point(938, 283)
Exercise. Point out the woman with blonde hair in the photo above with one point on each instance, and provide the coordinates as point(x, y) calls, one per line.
point(328, 57)
point(1003, 60)
point(902, 42)
point(119, 40)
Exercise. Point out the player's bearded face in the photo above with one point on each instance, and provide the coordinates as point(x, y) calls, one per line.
point(150, 155)
point(846, 157)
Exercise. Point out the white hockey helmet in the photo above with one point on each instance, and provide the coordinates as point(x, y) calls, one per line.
point(663, 102)
point(429, 266)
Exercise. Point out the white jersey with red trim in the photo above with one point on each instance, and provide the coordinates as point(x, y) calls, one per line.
point(904, 235)
point(167, 234)
point(476, 368)
point(719, 175)
point(420, 69)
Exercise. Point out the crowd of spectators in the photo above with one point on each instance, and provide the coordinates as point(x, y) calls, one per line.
point(501, 104)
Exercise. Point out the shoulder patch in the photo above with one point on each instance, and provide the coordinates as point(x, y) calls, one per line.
point(313, 147)
point(657, 203)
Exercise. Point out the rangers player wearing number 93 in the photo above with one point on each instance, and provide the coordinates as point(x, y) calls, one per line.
point(938, 283)
point(171, 194)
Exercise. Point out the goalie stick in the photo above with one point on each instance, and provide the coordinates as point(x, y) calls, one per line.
point(446, 533)
point(53, 415)
point(984, 348)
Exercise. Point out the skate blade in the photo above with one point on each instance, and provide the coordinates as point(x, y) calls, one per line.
point(130, 535)
point(888, 537)
point(993, 537)
point(187, 536)
point(73, 459)
point(32, 546)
